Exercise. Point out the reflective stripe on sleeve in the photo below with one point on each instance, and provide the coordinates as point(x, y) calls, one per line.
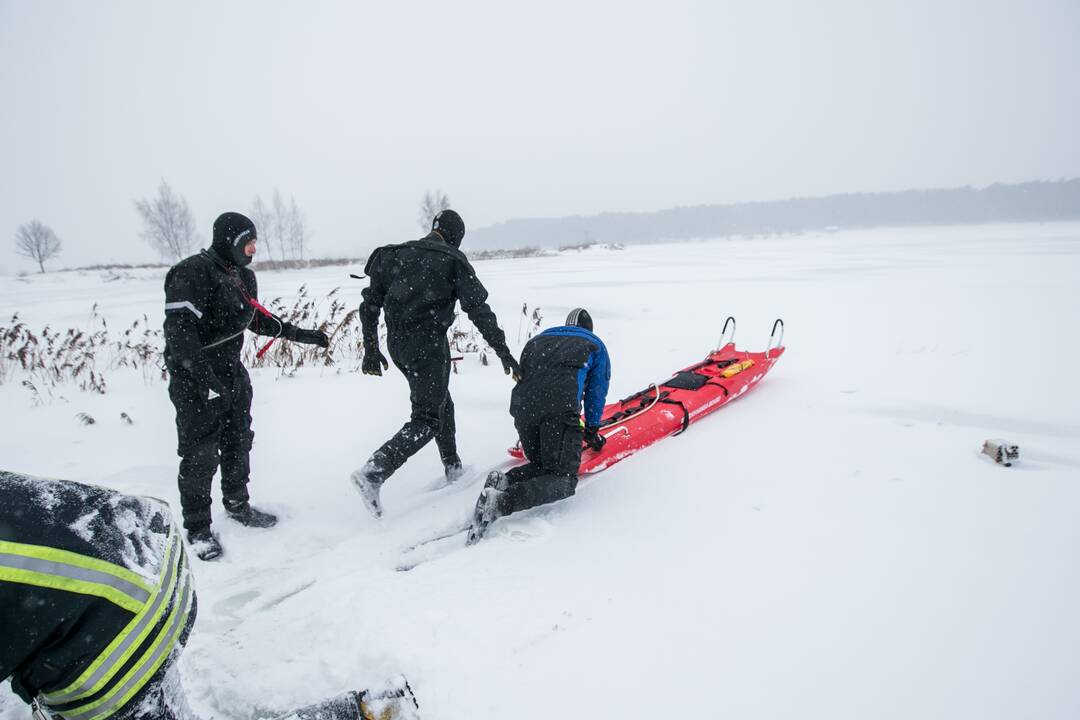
point(119, 651)
point(183, 305)
point(63, 570)
point(136, 678)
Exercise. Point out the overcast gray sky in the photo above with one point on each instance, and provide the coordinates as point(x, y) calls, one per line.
point(536, 109)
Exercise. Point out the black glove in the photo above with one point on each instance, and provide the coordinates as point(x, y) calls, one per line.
point(373, 358)
point(311, 337)
point(594, 439)
point(511, 367)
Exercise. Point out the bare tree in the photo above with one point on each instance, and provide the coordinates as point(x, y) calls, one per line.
point(265, 226)
point(432, 204)
point(38, 242)
point(168, 224)
point(295, 230)
point(281, 227)
point(279, 212)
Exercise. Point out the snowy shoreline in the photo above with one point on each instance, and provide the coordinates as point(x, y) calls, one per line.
point(832, 545)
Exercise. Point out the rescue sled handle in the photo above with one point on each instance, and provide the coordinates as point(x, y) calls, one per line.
point(723, 333)
point(619, 429)
point(772, 337)
point(615, 425)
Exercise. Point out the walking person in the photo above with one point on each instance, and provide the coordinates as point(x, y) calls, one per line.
point(211, 299)
point(417, 284)
point(564, 368)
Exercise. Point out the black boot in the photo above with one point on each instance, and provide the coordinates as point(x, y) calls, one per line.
point(490, 506)
point(393, 701)
point(367, 482)
point(204, 544)
point(453, 470)
point(247, 515)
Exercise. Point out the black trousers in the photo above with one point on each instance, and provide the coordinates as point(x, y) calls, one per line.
point(552, 444)
point(424, 359)
point(212, 432)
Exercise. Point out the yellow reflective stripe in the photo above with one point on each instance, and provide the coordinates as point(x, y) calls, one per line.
point(136, 678)
point(65, 557)
point(159, 659)
point(57, 582)
point(94, 678)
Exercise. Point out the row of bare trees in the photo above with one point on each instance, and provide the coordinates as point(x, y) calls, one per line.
point(282, 228)
point(168, 224)
point(169, 227)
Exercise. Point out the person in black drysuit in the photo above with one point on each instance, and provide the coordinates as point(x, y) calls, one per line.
point(563, 369)
point(97, 601)
point(210, 300)
point(418, 284)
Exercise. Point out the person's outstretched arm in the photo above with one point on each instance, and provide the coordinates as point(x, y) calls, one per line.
point(473, 296)
point(374, 294)
point(265, 322)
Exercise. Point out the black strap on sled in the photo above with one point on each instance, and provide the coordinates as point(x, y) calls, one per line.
point(683, 380)
point(636, 395)
point(685, 414)
point(687, 381)
point(719, 385)
point(633, 410)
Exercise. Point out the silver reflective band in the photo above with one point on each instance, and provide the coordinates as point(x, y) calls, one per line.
point(166, 592)
point(166, 640)
point(73, 572)
point(223, 340)
point(234, 335)
point(184, 305)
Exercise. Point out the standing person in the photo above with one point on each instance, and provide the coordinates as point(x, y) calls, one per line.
point(564, 368)
point(97, 601)
point(418, 284)
point(210, 300)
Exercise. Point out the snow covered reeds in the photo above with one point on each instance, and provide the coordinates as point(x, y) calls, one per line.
point(47, 358)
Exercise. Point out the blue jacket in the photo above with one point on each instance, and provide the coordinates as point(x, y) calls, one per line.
point(563, 368)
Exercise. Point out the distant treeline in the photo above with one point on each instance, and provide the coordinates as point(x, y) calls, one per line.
point(1025, 202)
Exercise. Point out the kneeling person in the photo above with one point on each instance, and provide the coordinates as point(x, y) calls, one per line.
point(562, 368)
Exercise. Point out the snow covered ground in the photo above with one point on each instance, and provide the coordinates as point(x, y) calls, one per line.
point(831, 546)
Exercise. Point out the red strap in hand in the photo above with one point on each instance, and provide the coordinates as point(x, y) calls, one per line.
point(259, 308)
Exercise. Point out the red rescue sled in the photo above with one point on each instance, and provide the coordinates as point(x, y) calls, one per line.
point(669, 408)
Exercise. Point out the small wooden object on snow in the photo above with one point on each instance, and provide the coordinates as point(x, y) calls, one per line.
point(1001, 451)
